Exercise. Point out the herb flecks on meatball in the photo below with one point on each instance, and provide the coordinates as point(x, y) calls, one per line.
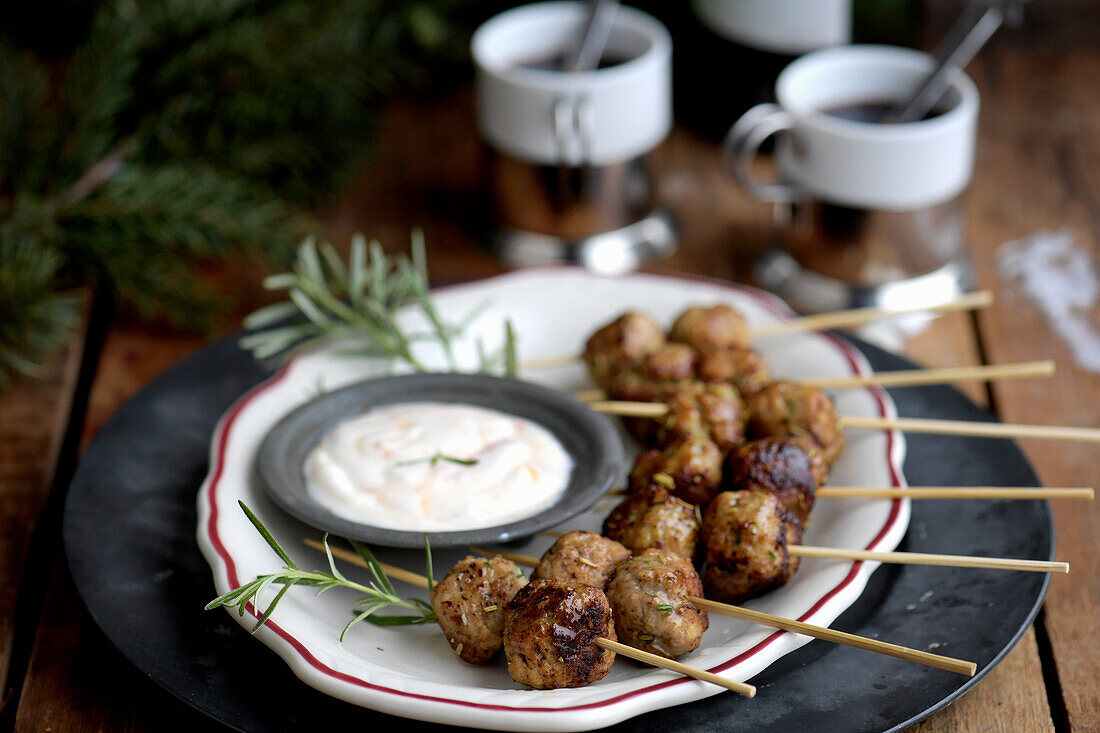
point(469, 604)
point(710, 329)
point(581, 557)
point(785, 409)
point(786, 467)
point(653, 517)
point(691, 469)
point(649, 594)
point(551, 629)
point(745, 536)
point(620, 345)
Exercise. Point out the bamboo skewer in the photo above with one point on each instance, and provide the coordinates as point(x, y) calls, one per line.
point(857, 316)
point(976, 429)
point(905, 424)
point(818, 322)
point(799, 627)
point(943, 492)
point(957, 492)
point(903, 378)
point(627, 651)
point(923, 558)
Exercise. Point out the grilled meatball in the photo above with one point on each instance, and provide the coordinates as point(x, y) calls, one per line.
point(743, 368)
point(787, 467)
point(671, 362)
point(785, 408)
point(635, 386)
point(690, 469)
point(709, 329)
point(550, 633)
point(581, 557)
point(653, 517)
point(695, 409)
point(620, 345)
point(745, 536)
point(649, 597)
point(469, 604)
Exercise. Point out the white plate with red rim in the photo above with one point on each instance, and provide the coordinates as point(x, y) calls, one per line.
point(411, 671)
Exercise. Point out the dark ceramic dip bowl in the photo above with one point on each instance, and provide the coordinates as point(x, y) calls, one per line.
point(589, 438)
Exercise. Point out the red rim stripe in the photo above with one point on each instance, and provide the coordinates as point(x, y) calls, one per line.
point(773, 305)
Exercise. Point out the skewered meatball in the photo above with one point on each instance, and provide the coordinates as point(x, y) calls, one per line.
point(550, 633)
point(634, 386)
point(709, 329)
point(649, 596)
point(620, 345)
point(581, 557)
point(653, 517)
point(690, 469)
point(671, 362)
point(745, 536)
point(714, 411)
point(786, 467)
point(785, 408)
point(469, 604)
point(743, 368)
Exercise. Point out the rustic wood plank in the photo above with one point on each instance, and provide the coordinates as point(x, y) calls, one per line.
point(1038, 158)
point(34, 414)
point(1000, 702)
point(79, 682)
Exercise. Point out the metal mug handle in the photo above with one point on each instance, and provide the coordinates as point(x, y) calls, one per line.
point(743, 142)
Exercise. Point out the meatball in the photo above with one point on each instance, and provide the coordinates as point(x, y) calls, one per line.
point(745, 537)
point(550, 633)
point(469, 604)
point(653, 517)
point(621, 344)
point(743, 368)
point(690, 469)
point(581, 557)
point(634, 386)
point(784, 408)
point(650, 597)
point(709, 329)
point(714, 411)
point(787, 467)
point(671, 362)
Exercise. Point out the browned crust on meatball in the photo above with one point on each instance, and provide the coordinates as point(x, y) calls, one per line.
point(653, 517)
point(620, 345)
point(550, 633)
point(469, 604)
point(650, 596)
point(787, 409)
point(581, 557)
point(690, 469)
point(745, 536)
point(708, 329)
point(742, 368)
point(779, 465)
point(714, 411)
point(670, 363)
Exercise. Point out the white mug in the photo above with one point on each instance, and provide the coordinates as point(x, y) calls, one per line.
point(549, 117)
point(894, 167)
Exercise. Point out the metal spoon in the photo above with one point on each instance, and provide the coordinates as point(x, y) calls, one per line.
point(963, 41)
point(585, 53)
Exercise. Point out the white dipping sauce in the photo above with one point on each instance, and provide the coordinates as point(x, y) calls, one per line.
point(377, 468)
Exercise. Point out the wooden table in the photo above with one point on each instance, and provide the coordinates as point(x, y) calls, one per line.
point(1037, 164)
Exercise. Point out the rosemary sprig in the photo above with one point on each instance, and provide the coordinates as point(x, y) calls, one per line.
point(377, 594)
point(365, 301)
point(434, 460)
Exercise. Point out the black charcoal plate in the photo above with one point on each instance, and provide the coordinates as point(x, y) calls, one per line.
point(589, 438)
point(129, 531)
